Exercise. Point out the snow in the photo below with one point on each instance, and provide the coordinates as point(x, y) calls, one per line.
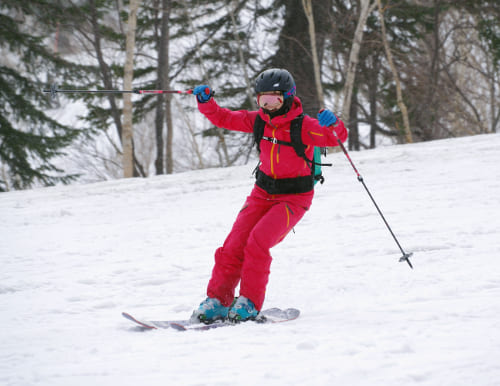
point(73, 258)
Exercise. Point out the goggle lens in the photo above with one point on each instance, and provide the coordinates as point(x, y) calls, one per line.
point(270, 101)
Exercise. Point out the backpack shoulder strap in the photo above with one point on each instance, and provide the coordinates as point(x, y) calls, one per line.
point(298, 145)
point(258, 131)
point(296, 137)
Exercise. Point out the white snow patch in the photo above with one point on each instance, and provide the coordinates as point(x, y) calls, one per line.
point(73, 258)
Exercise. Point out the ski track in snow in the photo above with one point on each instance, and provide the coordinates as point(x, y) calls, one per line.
point(73, 258)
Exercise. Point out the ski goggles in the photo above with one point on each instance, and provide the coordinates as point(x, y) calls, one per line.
point(270, 101)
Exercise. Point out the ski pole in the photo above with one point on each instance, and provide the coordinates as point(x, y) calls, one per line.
point(406, 256)
point(54, 90)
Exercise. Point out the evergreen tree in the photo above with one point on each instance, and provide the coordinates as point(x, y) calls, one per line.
point(30, 139)
point(97, 29)
point(226, 53)
point(153, 35)
point(294, 49)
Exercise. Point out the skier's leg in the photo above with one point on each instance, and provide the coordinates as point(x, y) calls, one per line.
point(229, 258)
point(269, 231)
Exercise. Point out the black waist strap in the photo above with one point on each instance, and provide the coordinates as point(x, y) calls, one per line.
point(284, 185)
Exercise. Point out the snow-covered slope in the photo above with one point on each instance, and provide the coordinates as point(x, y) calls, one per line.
point(74, 257)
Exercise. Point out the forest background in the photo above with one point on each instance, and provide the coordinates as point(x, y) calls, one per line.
point(395, 71)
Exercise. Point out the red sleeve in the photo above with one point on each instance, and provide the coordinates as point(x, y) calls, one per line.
point(241, 120)
point(314, 134)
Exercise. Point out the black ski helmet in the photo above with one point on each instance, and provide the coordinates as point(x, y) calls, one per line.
point(276, 79)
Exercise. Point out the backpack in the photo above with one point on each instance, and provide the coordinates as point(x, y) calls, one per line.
point(297, 144)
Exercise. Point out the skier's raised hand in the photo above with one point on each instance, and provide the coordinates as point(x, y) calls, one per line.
point(203, 93)
point(326, 118)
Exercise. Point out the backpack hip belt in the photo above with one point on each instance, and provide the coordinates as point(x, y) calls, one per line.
point(284, 185)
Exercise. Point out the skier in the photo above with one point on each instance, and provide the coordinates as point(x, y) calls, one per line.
point(281, 196)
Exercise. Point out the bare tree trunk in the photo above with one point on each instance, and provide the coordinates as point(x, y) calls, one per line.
point(354, 125)
point(495, 112)
point(170, 132)
point(366, 8)
point(163, 103)
point(160, 85)
point(314, 52)
point(167, 7)
point(372, 100)
point(128, 149)
point(249, 88)
point(399, 94)
point(430, 130)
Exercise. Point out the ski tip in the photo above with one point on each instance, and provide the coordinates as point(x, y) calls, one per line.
point(127, 316)
point(142, 324)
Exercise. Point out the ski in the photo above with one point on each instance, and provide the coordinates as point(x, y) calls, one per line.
point(271, 315)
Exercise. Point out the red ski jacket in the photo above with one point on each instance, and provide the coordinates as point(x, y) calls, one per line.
point(277, 161)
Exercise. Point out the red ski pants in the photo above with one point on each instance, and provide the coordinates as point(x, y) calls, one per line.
point(263, 222)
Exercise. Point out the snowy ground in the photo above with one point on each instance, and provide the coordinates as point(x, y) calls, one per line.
point(73, 258)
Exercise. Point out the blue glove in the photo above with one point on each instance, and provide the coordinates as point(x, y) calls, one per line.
point(326, 118)
point(203, 93)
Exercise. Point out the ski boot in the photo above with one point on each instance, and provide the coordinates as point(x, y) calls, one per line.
point(209, 311)
point(242, 310)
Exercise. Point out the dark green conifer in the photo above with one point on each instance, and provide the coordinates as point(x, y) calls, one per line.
point(30, 140)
